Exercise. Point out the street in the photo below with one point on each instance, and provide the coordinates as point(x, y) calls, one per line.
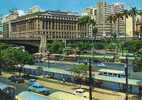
point(99, 94)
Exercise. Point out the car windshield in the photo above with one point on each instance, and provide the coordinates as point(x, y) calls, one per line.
point(37, 85)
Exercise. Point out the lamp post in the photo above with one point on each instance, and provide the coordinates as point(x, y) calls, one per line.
point(90, 80)
point(48, 59)
point(126, 74)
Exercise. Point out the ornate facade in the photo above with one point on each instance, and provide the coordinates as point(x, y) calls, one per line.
point(55, 25)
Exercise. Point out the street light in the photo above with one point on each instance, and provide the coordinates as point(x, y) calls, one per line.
point(48, 55)
point(126, 74)
point(90, 80)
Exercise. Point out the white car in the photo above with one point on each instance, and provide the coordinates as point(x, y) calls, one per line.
point(101, 65)
point(81, 92)
point(78, 92)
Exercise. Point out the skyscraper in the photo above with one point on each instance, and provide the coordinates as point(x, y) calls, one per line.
point(104, 10)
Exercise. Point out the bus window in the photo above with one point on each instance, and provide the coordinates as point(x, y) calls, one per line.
point(101, 73)
point(109, 74)
point(119, 75)
point(122, 76)
point(114, 75)
point(105, 73)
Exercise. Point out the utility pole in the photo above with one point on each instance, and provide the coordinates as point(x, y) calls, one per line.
point(48, 59)
point(126, 74)
point(90, 80)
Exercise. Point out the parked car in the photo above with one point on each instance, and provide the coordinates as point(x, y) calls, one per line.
point(78, 91)
point(16, 79)
point(101, 64)
point(38, 88)
point(81, 92)
point(31, 81)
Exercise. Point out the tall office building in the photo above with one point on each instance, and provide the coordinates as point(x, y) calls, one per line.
point(120, 23)
point(90, 11)
point(104, 10)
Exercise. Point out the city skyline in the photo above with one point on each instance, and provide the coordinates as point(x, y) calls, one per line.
point(72, 5)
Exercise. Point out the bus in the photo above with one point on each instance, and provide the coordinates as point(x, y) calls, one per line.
point(27, 95)
point(111, 73)
point(7, 92)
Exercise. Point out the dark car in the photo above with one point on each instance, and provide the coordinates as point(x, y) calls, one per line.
point(17, 79)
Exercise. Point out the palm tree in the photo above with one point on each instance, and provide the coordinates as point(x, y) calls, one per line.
point(112, 19)
point(118, 16)
point(140, 30)
point(133, 14)
point(89, 21)
point(125, 14)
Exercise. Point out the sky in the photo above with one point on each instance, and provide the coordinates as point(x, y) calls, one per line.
point(66, 5)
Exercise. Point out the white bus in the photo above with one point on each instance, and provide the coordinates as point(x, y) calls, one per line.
point(8, 90)
point(111, 73)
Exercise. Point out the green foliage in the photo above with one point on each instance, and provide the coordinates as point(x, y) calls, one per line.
point(95, 30)
point(4, 46)
point(87, 20)
point(133, 45)
point(111, 46)
point(56, 47)
point(80, 70)
point(138, 61)
point(80, 45)
point(14, 56)
point(100, 45)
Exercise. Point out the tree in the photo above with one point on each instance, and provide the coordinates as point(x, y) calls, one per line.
point(133, 13)
point(80, 71)
point(112, 19)
point(133, 45)
point(56, 47)
point(86, 20)
point(90, 22)
point(14, 56)
point(140, 32)
point(138, 61)
point(118, 16)
point(125, 14)
point(4, 46)
point(95, 30)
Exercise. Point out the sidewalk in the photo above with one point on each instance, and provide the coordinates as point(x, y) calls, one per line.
point(100, 94)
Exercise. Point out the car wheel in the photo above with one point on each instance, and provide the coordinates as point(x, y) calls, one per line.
point(29, 90)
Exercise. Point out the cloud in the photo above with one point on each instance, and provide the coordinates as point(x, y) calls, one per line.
point(21, 12)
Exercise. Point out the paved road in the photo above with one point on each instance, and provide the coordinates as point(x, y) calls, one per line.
point(19, 87)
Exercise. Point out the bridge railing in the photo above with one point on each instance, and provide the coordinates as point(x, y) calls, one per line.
point(85, 38)
point(19, 38)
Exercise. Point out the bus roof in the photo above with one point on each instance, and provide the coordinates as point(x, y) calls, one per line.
point(112, 71)
point(26, 95)
point(3, 86)
point(65, 96)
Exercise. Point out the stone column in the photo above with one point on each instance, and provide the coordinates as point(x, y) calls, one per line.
point(43, 43)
